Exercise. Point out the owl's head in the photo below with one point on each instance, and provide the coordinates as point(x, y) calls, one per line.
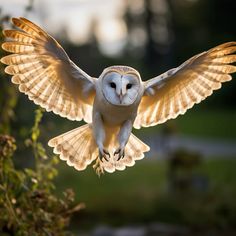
point(121, 85)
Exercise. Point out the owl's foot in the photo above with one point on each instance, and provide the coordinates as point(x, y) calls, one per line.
point(120, 152)
point(104, 154)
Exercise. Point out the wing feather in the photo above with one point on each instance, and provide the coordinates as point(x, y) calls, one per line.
point(180, 88)
point(44, 72)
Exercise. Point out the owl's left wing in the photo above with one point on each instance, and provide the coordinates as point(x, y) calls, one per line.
point(172, 93)
point(45, 73)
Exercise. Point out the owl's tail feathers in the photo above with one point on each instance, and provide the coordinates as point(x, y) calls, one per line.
point(134, 151)
point(77, 147)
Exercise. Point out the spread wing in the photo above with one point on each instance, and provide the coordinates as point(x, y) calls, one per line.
point(172, 93)
point(44, 72)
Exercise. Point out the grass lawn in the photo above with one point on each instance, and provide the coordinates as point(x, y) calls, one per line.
point(141, 193)
point(120, 189)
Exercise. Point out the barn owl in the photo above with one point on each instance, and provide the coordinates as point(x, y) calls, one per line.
point(111, 104)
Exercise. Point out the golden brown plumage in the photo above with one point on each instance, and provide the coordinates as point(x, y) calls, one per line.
point(44, 72)
point(180, 88)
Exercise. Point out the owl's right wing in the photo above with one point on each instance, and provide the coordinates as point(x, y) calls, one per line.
point(172, 93)
point(45, 73)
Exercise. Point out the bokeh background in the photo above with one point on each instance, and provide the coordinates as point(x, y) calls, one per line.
point(186, 185)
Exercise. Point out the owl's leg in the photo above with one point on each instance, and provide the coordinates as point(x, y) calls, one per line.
point(99, 135)
point(123, 138)
point(103, 153)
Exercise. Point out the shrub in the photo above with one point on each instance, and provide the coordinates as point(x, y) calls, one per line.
point(28, 205)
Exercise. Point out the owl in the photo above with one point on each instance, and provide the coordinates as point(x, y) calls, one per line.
point(111, 104)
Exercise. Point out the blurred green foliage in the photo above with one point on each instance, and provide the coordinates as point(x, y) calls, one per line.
point(28, 204)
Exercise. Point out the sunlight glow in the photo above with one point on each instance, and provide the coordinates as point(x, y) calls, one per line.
point(111, 35)
point(111, 30)
point(76, 20)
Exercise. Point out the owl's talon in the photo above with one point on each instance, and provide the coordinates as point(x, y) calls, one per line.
point(120, 152)
point(107, 153)
point(103, 154)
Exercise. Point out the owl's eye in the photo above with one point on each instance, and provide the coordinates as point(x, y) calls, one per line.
point(113, 85)
point(128, 86)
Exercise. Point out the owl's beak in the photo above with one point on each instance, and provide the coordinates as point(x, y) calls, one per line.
point(120, 97)
point(120, 94)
